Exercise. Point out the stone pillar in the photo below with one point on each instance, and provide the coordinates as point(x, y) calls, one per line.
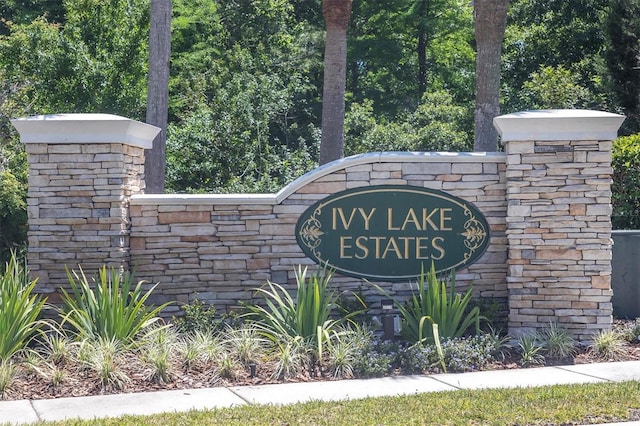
point(559, 219)
point(82, 170)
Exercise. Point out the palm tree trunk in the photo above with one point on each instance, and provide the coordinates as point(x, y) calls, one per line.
point(336, 14)
point(158, 92)
point(490, 18)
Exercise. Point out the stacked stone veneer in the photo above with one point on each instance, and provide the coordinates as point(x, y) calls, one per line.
point(221, 247)
point(559, 219)
point(547, 200)
point(82, 170)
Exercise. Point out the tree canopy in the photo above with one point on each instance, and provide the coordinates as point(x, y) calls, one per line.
point(245, 89)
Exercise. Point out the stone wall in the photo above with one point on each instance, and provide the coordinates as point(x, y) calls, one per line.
point(82, 170)
point(546, 199)
point(220, 247)
point(559, 219)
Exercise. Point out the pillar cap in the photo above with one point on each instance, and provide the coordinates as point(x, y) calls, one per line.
point(558, 125)
point(85, 129)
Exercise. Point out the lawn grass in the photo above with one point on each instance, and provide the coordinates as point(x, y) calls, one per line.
point(551, 405)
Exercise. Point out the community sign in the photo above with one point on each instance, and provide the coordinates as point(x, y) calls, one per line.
point(390, 232)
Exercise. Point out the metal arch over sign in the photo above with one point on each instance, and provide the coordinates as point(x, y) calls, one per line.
point(387, 232)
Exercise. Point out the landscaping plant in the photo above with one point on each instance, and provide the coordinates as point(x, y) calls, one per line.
point(112, 308)
point(556, 342)
point(19, 308)
point(436, 304)
point(7, 373)
point(530, 350)
point(307, 316)
point(608, 345)
point(198, 317)
point(103, 358)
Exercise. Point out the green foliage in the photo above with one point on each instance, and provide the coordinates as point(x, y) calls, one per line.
point(25, 11)
point(530, 350)
point(373, 358)
point(111, 308)
point(13, 214)
point(631, 331)
point(207, 153)
point(623, 59)
point(104, 358)
point(438, 124)
point(457, 355)
point(432, 301)
point(308, 316)
point(19, 308)
point(292, 357)
point(95, 62)
point(198, 319)
point(554, 88)
point(555, 35)
point(400, 49)
point(608, 345)
point(626, 183)
point(556, 342)
point(7, 375)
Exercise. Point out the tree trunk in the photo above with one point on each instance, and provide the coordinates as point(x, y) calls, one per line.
point(423, 40)
point(336, 14)
point(158, 92)
point(490, 18)
point(422, 60)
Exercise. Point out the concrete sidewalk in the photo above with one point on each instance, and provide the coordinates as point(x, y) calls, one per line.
point(24, 411)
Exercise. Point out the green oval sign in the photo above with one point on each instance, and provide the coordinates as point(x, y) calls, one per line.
point(387, 232)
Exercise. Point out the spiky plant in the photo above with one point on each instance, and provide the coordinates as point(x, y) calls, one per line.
point(291, 358)
point(157, 353)
point(7, 374)
point(530, 350)
point(556, 342)
point(307, 316)
point(19, 308)
point(608, 344)
point(103, 358)
point(246, 344)
point(436, 302)
point(112, 307)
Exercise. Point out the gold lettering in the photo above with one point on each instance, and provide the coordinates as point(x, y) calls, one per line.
point(435, 245)
point(361, 244)
point(406, 245)
point(344, 246)
point(392, 245)
point(377, 240)
point(420, 246)
point(366, 217)
point(444, 218)
point(390, 226)
point(426, 219)
point(346, 223)
point(411, 218)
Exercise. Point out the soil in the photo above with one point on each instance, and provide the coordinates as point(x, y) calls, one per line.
point(29, 383)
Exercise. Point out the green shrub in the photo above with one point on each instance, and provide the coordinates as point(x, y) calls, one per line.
point(530, 350)
point(19, 308)
point(626, 183)
point(434, 303)
point(114, 310)
point(198, 318)
point(631, 331)
point(307, 317)
point(556, 342)
point(13, 214)
point(608, 345)
point(374, 358)
point(458, 354)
